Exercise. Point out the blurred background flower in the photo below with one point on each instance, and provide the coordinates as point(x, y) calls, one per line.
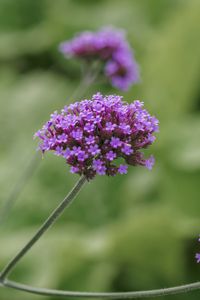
point(132, 232)
point(110, 48)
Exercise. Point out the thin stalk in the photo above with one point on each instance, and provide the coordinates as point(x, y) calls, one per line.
point(18, 187)
point(89, 75)
point(50, 221)
point(118, 295)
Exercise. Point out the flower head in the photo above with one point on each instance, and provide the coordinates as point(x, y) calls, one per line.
point(110, 46)
point(91, 147)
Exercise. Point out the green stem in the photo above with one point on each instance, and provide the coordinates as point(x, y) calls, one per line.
point(4, 282)
point(50, 221)
point(18, 187)
point(118, 295)
point(89, 75)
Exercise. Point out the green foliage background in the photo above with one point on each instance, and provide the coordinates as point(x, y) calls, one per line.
point(126, 233)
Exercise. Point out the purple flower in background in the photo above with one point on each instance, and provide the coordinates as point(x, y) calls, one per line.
point(92, 147)
point(197, 256)
point(150, 162)
point(122, 69)
point(108, 45)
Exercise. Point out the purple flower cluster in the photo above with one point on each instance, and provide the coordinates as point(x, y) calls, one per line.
point(197, 256)
point(95, 135)
point(109, 46)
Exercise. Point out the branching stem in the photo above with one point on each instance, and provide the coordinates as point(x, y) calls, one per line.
point(118, 295)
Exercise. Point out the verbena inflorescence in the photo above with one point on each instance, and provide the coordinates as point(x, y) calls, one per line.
point(110, 46)
point(197, 256)
point(92, 135)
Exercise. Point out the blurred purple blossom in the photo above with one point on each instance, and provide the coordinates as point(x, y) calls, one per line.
point(110, 46)
point(197, 256)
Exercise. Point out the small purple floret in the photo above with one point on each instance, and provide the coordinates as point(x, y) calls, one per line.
point(101, 170)
point(111, 155)
point(82, 155)
point(94, 149)
point(91, 147)
point(122, 169)
point(110, 126)
point(115, 142)
point(127, 149)
point(90, 140)
point(77, 134)
point(150, 162)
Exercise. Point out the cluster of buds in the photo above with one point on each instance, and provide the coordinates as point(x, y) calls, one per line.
point(111, 48)
point(95, 135)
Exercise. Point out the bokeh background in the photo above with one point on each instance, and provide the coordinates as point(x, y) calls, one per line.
point(131, 232)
